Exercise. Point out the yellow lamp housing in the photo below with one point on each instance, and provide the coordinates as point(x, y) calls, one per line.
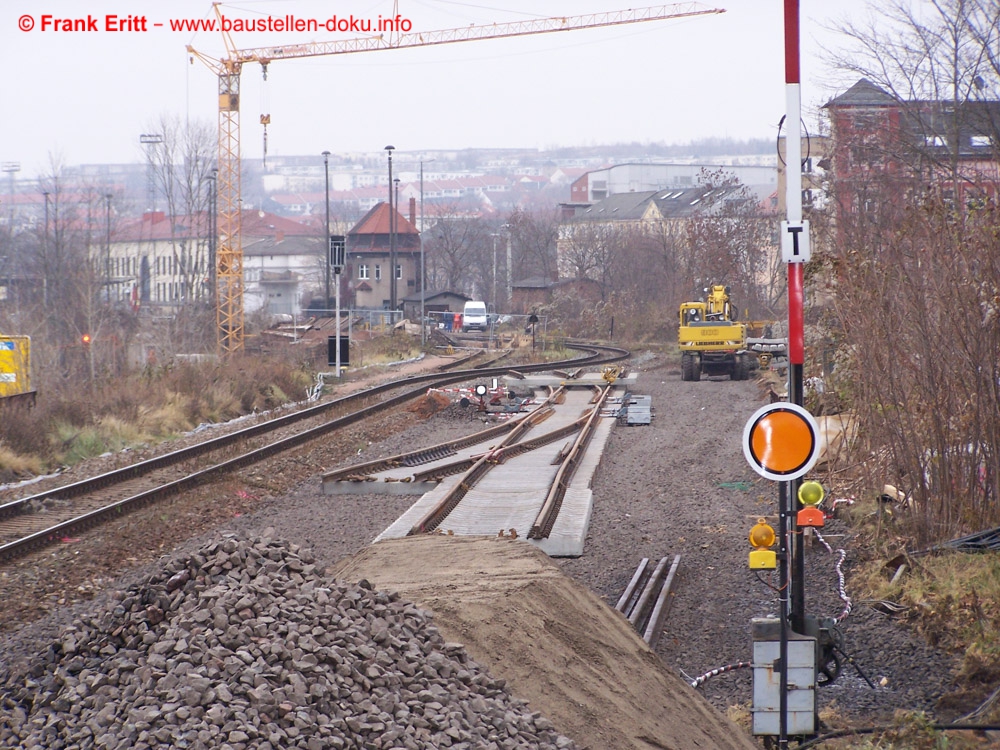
point(763, 559)
point(811, 493)
point(761, 535)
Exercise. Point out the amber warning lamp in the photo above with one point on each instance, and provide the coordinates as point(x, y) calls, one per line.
point(762, 539)
point(811, 494)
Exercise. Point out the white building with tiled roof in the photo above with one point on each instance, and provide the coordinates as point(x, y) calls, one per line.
point(164, 262)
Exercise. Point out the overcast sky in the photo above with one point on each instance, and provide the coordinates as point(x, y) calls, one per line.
point(84, 97)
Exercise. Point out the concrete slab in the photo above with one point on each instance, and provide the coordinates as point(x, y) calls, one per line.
point(507, 503)
point(570, 529)
point(587, 380)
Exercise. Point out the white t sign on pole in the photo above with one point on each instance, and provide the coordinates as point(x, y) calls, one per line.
point(795, 247)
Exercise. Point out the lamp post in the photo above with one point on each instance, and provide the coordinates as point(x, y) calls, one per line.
point(45, 250)
point(326, 234)
point(392, 237)
point(10, 167)
point(510, 266)
point(107, 245)
point(493, 299)
point(337, 270)
point(150, 141)
point(423, 274)
point(395, 245)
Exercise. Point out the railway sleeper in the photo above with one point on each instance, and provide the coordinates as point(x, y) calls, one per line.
point(646, 600)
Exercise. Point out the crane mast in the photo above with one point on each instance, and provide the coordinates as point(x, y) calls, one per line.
point(229, 253)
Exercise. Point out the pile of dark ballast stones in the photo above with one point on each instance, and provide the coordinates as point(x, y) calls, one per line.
point(245, 645)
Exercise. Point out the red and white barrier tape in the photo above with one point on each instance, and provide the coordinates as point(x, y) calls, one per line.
point(721, 670)
point(841, 588)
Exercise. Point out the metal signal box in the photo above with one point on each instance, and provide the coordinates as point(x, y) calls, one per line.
point(801, 680)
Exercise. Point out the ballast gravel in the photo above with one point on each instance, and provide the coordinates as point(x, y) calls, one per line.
point(245, 645)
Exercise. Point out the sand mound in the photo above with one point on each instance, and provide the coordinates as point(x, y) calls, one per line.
point(559, 646)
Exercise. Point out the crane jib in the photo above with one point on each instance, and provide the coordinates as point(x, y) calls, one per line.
point(228, 68)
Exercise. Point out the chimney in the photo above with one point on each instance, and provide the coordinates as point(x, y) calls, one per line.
point(413, 211)
point(279, 236)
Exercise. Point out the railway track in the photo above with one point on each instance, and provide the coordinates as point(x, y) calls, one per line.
point(487, 482)
point(44, 518)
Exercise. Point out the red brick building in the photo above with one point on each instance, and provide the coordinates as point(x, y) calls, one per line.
point(367, 270)
point(881, 141)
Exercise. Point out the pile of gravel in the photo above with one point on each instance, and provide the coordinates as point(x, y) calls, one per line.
point(244, 645)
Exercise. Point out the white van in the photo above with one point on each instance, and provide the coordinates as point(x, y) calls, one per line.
point(474, 317)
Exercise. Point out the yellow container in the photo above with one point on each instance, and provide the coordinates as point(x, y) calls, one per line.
point(763, 559)
point(15, 365)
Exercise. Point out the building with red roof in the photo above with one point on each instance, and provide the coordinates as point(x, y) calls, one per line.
point(369, 256)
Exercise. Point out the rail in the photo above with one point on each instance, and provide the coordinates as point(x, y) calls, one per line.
point(499, 455)
point(360, 472)
point(546, 518)
point(434, 516)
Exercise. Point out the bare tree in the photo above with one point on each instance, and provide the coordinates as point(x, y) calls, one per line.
point(67, 263)
point(455, 246)
point(588, 250)
point(665, 242)
point(182, 169)
point(533, 238)
point(728, 242)
point(941, 51)
point(916, 269)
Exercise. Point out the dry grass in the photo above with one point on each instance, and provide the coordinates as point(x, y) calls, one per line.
point(70, 424)
point(174, 415)
point(14, 465)
point(951, 598)
point(384, 350)
point(909, 730)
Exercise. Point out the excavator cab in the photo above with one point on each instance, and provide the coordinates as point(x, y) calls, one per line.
point(693, 312)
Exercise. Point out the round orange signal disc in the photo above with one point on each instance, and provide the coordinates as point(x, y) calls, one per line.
point(779, 441)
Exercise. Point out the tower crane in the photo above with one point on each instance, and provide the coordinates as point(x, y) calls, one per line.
point(229, 252)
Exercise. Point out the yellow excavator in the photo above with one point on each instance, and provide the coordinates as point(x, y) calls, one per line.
point(711, 341)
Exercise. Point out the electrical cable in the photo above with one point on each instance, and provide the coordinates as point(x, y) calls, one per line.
point(983, 708)
point(805, 130)
point(850, 660)
point(769, 585)
point(698, 681)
